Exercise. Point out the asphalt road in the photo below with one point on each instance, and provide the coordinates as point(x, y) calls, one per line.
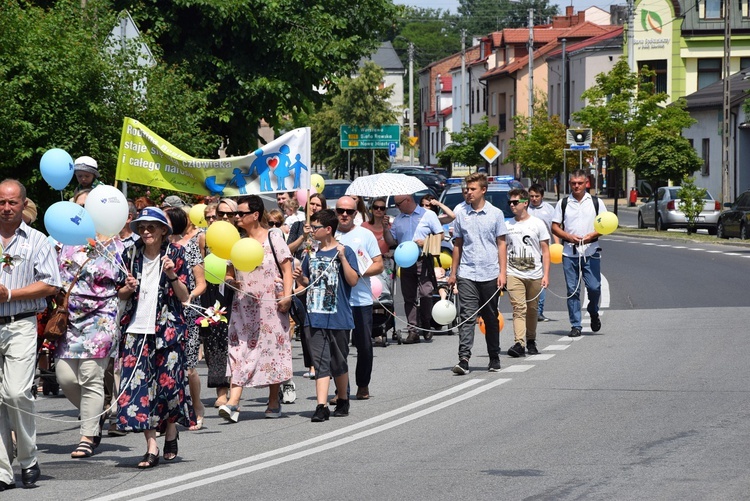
point(655, 406)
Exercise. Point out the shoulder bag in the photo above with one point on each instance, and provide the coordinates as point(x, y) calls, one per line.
point(57, 323)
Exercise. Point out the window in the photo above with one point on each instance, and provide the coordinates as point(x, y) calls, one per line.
point(659, 67)
point(709, 71)
point(706, 156)
point(493, 97)
point(745, 61)
point(711, 9)
point(484, 100)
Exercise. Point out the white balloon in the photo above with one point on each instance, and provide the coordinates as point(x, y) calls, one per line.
point(444, 312)
point(108, 207)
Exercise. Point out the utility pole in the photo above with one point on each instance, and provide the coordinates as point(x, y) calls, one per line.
point(725, 132)
point(564, 96)
point(531, 66)
point(630, 174)
point(438, 90)
point(463, 78)
point(411, 101)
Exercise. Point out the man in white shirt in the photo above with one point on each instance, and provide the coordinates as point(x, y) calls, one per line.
point(573, 223)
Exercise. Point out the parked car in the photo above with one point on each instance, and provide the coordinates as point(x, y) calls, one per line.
point(435, 182)
point(735, 222)
point(335, 189)
point(668, 214)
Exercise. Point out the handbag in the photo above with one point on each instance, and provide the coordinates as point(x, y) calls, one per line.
point(297, 311)
point(57, 323)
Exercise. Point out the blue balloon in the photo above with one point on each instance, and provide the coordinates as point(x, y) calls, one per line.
point(69, 223)
point(57, 168)
point(406, 254)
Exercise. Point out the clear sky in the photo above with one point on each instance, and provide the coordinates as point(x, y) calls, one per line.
point(452, 5)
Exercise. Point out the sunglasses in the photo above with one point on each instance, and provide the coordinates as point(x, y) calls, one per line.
point(243, 213)
point(513, 203)
point(316, 227)
point(147, 227)
point(210, 218)
point(348, 212)
point(221, 213)
point(275, 224)
point(378, 207)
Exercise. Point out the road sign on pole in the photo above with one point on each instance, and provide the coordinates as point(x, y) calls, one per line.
point(369, 138)
point(392, 149)
point(490, 153)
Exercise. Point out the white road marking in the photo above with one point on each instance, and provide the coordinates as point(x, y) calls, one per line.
point(557, 347)
point(300, 445)
point(714, 252)
point(517, 368)
point(733, 254)
point(541, 356)
point(239, 472)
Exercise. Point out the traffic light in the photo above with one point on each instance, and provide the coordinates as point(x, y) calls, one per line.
point(579, 137)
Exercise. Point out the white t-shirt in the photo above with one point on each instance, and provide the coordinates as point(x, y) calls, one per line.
point(365, 246)
point(144, 319)
point(579, 220)
point(524, 247)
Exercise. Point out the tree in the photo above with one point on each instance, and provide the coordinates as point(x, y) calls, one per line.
point(631, 121)
point(433, 32)
point(691, 201)
point(465, 145)
point(61, 86)
point(539, 152)
point(481, 17)
point(266, 59)
point(359, 101)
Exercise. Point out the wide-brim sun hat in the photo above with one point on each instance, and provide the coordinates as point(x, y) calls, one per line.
point(151, 214)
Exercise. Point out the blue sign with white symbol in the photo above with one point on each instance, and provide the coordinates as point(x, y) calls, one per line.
point(392, 149)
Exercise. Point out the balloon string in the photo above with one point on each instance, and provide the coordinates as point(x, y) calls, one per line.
point(104, 252)
point(581, 260)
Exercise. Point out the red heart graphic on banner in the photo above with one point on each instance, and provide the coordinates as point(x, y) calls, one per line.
point(273, 162)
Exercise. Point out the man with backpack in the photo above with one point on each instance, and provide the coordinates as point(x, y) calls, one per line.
point(573, 223)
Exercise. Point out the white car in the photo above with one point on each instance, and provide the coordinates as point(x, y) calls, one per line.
point(669, 215)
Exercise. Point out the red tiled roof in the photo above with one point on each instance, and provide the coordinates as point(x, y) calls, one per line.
point(446, 111)
point(588, 30)
point(521, 62)
point(616, 33)
point(541, 35)
point(447, 82)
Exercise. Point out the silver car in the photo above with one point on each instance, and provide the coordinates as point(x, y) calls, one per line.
point(668, 214)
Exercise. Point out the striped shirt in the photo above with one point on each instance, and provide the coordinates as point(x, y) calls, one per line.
point(29, 258)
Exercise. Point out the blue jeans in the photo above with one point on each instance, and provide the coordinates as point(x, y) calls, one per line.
point(590, 268)
point(540, 309)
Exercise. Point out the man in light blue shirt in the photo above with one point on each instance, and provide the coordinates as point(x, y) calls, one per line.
point(414, 224)
point(479, 268)
point(364, 244)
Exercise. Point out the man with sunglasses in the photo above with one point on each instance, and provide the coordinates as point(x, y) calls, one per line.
point(370, 261)
point(414, 223)
point(581, 255)
point(479, 269)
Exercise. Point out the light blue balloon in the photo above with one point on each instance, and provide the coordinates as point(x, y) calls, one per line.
point(406, 254)
point(57, 168)
point(69, 223)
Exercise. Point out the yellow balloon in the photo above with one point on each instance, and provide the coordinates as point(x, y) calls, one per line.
point(220, 237)
point(555, 253)
point(247, 254)
point(605, 223)
point(398, 272)
point(196, 215)
point(215, 268)
point(446, 260)
point(317, 182)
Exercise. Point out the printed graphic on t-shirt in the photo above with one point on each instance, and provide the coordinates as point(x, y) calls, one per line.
point(321, 297)
point(521, 257)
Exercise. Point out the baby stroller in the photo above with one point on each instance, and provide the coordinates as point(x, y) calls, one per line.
point(382, 319)
point(443, 291)
point(45, 361)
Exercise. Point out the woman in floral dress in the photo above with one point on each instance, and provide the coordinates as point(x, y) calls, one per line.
point(154, 376)
point(260, 351)
point(84, 352)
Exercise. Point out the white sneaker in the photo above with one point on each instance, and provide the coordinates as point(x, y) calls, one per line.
point(288, 393)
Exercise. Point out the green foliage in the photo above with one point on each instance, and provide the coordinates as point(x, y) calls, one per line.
point(691, 201)
point(631, 122)
point(465, 145)
point(359, 101)
point(481, 17)
point(61, 87)
point(267, 58)
point(433, 32)
point(540, 151)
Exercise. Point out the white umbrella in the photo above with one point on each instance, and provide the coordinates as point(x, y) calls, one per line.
point(385, 185)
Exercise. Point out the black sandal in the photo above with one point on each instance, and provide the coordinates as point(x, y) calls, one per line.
point(170, 447)
point(84, 449)
point(151, 460)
